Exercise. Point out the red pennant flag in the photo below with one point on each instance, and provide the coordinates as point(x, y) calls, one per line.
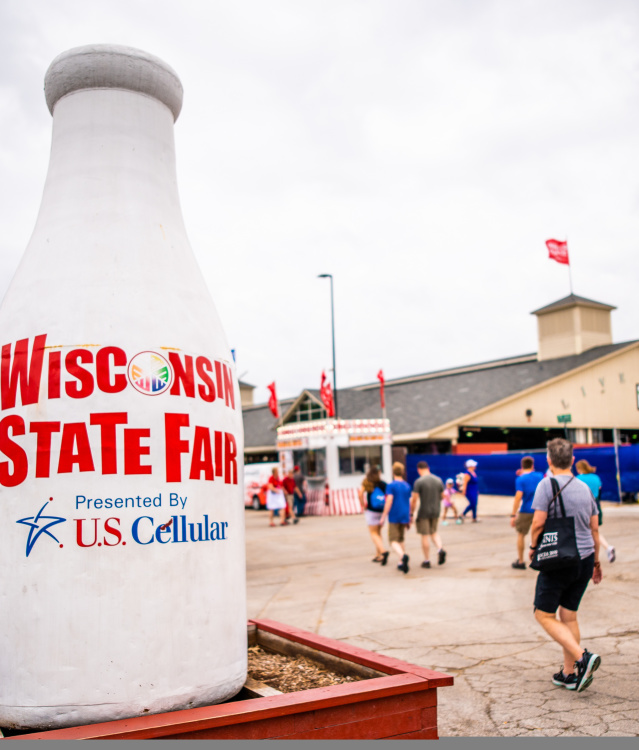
point(272, 402)
point(558, 251)
point(326, 394)
point(380, 377)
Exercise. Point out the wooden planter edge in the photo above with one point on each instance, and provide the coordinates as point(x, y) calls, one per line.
point(381, 663)
point(401, 678)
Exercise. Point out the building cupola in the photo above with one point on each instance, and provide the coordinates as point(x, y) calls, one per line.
point(572, 325)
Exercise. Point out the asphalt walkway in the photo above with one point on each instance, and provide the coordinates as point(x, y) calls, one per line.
point(471, 617)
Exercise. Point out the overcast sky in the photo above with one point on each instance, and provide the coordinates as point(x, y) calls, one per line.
point(421, 151)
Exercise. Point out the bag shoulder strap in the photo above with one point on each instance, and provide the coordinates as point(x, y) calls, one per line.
point(557, 490)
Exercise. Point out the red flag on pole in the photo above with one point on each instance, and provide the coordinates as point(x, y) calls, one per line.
point(380, 377)
point(326, 394)
point(558, 251)
point(272, 402)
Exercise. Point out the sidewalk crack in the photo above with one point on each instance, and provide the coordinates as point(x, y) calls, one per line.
point(324, 602)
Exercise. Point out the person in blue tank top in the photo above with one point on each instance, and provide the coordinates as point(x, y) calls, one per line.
point(588, 475)
point(470, 488)
point(397, 511)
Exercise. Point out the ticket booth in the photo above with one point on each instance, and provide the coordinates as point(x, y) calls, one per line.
point(334, 456)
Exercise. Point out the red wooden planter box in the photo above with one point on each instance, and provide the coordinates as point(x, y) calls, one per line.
point(397, 701)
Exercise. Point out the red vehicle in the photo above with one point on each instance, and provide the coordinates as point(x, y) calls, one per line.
point(256, 478)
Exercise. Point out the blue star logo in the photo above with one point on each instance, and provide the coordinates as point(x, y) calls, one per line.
point(38, 525)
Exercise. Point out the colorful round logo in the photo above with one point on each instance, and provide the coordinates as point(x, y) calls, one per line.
point(150, 373)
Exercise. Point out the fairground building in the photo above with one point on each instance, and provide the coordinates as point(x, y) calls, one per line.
point(579, 385)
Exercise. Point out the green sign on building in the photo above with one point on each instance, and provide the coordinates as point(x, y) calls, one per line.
point(564, 418)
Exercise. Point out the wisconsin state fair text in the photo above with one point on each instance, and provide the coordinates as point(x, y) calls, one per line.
point(212, 453)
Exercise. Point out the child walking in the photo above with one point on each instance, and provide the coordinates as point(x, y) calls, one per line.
point(449, 491)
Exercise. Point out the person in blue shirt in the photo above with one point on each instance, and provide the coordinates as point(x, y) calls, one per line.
point(397, 511)
point(522, 515)
point(470, 488)
point(587, 474)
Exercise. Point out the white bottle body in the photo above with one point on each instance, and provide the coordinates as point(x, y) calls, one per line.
point(135, 604)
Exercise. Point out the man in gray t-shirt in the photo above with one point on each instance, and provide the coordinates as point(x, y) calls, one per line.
point(428, 491)
point(558, 592)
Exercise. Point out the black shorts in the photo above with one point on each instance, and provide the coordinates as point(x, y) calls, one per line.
point(564, 587)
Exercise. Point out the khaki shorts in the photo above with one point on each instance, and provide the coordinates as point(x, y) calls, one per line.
point(523, 522)
point(396, 532)
point(427, 526)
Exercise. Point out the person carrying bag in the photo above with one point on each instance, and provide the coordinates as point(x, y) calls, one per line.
point(372, 496)
point(565, 550)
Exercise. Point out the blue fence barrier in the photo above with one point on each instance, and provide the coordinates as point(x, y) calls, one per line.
point(496, 471)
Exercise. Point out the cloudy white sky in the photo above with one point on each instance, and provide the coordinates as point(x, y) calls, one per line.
point(421, 151)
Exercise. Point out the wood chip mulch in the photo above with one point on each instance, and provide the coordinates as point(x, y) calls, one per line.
point(288, 674)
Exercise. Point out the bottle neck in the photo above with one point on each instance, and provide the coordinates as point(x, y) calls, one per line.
point(112, 157)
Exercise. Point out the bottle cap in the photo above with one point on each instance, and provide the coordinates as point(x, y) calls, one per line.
point(112, 66)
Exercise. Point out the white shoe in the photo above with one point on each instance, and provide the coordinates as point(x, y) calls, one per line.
point(444, 523)
point(611, 554)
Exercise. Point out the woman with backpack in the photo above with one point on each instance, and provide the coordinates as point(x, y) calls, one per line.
point(372, 497)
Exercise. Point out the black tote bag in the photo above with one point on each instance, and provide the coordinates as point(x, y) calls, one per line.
point(557, 543)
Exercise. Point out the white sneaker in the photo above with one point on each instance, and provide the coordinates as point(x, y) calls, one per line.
point(612, 556)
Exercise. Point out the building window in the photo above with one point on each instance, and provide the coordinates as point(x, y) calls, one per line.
point(578, 435)
point(307, 411)
point(602, 436)
point(312, 463)
point(360, 459)
point(345, 461)
point(260, 458)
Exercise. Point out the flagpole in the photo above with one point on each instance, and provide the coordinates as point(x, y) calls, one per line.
point(569, 269)
point(383, 407)
point(330, 276)
point(382, 396)
point(276, 413)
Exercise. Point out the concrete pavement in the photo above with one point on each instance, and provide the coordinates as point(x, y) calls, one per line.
point(471, 617)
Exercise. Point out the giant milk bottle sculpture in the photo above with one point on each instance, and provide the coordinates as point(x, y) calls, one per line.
point(120, 427)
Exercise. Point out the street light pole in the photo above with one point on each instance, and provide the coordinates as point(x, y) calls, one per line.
point(330, 276)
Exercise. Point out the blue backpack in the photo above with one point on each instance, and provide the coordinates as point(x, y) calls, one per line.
point(377, 500)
